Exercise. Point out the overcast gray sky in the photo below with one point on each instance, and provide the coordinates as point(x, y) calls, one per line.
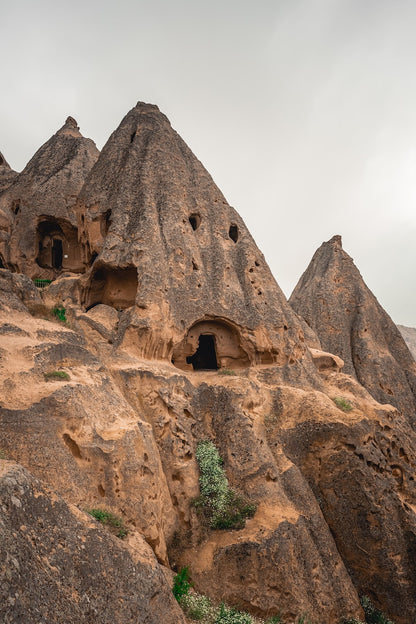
point(303, 111)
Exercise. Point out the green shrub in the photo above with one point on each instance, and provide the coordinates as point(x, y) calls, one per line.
point(60, 314)
point(3, 455)
point(181, 584)
point(351, 621)
point(56, 375)
point(197, 606)
point(343, 404)
point(229, 615)
point(224, 508)
point(275, 619)
point(372, 614)
point(110, 520)
point(226, 371)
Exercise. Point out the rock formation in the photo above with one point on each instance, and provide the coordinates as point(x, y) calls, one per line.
point(409, 336)
point(58, 565)
point(164, 240)
point(335, 302)
point(177, 333)
point(7, 175)
point(39, 202)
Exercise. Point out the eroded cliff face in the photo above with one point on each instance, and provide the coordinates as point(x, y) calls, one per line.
point(335, 302)
point(42, 236)
point(170, 299)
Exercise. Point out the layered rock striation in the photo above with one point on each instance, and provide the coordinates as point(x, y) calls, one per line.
point(336, 303)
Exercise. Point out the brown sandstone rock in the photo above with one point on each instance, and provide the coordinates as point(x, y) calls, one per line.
point(333, 299)
point(58, 565)
point(169, 249)
point(43, 238)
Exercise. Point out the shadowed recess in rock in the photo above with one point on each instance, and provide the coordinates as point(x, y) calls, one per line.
point(115, 287)
point(209, 345)
point(57, 243)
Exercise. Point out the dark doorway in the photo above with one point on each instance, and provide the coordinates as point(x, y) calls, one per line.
point(57, 253)
point(205, 357)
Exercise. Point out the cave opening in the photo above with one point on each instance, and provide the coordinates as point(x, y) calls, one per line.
point(195, 220)
point(112, 286)
point(205, 357)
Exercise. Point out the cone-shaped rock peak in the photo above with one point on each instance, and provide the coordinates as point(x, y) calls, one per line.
point(162, 236)
point(7, 175)
point(43, 236)
point(334, 300)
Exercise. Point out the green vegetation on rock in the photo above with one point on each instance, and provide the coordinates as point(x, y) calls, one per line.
point(224, 508)
point(110, 520)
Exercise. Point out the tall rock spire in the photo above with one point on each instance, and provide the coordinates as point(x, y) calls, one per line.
point(334, 300)
point(163, 237)
point(7, 175)
point(44, 238)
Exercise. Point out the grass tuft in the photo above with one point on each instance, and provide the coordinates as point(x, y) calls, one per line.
point(111, 521)
point(343, 404)
point(57, 375)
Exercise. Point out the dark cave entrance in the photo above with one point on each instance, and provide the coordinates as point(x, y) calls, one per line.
point(57, 253)
point(205, 357)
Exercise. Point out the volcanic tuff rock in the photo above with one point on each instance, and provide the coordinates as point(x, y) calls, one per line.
point(409, 335)
point(176, 290)
point(335, 302)
point(165, 240)
point(7, 175)
point(58, 565)
point(39, 203)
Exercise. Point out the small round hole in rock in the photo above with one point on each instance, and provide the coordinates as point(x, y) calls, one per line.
point(195, 220)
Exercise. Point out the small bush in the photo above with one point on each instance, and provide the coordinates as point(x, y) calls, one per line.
point(226, 371)
point(224, 508)
point(275, 619)
point(196, 606)
point(181, 584)
point(372, 614)
point(60, 314)
point(343, 404)
point(110, 520)
point(229, 615)
point(351, 621)
point(57, 375)
point(3, 455)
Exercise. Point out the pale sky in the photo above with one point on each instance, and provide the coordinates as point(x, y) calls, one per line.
point(303, 111)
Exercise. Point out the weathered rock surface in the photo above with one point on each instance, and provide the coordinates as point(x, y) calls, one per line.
point(39, 202)
point(409, 335)
point(58, 565)
point(335, 302)
point(7, 175)
point(165, 241)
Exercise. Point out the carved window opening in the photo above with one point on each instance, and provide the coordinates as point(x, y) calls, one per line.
point(205, 357)
point(195, 220)
point(2, 265)
point(233, 233)
point(132, 137)
point(16, 207)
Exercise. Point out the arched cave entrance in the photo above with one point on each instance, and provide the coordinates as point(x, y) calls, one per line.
point(210, 344)
point(112, 286)
point(57, 245)
point(205, 357)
